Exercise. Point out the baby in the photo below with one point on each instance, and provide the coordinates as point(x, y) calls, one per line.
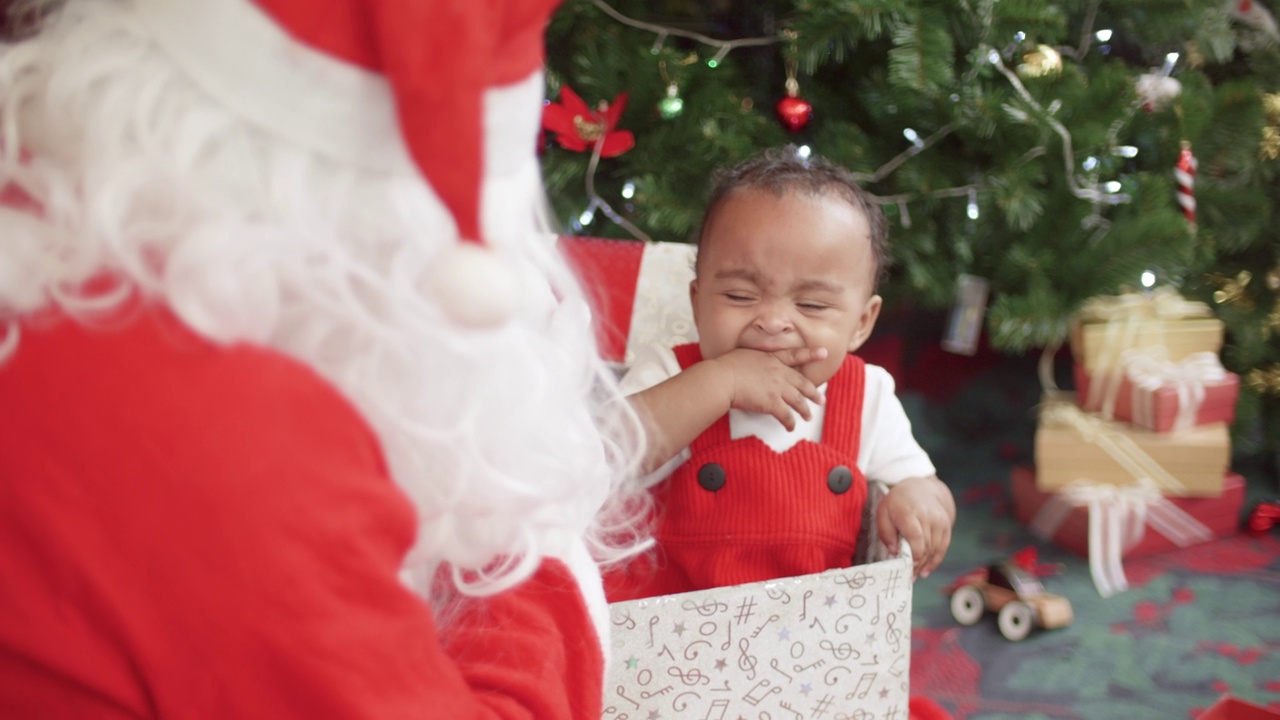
point(765, 432)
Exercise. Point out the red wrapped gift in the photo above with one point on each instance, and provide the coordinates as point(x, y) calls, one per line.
point(1160, 395)
point(1231, 708)
point(1127, 522)
point(1221, 515)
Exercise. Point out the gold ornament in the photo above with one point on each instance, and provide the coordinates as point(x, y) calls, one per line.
point(1273, 322)
point(1269, 147)
point(1195, 58)
point(1265, 380)
point(1271, 103)
point(1231, 290)
point(1042, 61)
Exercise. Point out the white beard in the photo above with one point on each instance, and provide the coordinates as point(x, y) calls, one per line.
point(508, 441)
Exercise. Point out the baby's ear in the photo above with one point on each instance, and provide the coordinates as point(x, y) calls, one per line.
point(866, 322)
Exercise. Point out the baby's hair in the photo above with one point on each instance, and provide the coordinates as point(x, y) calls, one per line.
point(781, 169)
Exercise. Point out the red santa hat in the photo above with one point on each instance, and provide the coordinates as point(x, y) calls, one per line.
point(340, 76)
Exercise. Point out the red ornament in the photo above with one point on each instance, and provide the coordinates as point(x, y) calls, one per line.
point(1028, 558)
point(1185, 173)
point(794, 113)
point(578, 127)
point(1263, 517)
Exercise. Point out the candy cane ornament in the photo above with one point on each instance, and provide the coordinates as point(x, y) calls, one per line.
point(1185, 173)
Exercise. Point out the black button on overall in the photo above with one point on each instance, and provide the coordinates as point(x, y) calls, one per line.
point(840, 479)
point(711, 477)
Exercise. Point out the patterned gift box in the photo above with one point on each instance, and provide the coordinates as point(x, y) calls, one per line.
point(1219, 515)
point(1162, 395)
point(830, 645)
point(1073, 447)
point(1107, 326)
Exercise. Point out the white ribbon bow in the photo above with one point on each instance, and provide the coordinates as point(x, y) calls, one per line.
point(1150, 369)
point(1118, 518)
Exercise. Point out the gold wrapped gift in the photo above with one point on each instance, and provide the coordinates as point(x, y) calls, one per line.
point(1073, 447)
point(1107, 326)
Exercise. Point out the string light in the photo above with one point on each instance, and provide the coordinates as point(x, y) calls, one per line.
point(1111, 196)
point(1080, 191)
point(628, 190)
point(1148, 279)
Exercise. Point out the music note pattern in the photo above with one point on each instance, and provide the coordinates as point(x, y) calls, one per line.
point(831, 646)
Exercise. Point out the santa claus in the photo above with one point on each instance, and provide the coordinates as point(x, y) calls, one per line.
point(298, 415)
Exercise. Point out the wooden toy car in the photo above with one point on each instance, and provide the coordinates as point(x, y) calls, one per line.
point(1015, 595)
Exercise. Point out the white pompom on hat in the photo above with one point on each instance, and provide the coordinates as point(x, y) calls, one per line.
point(342, 76)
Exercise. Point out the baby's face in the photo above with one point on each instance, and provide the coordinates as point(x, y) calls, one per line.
point(785, 272)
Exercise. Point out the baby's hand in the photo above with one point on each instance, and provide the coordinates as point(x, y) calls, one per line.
point(770, 382)
point(922, 511)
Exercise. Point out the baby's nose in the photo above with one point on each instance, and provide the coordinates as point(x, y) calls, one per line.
point(773, 319)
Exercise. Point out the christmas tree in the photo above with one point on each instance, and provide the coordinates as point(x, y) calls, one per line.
point(1029, 143)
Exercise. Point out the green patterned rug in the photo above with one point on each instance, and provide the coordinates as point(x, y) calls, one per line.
point(1196, 623)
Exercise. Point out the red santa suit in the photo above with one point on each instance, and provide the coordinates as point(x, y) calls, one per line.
point(238, 443)
point(193, 531)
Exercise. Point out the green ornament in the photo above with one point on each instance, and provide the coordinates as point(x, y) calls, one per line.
point(672, 105)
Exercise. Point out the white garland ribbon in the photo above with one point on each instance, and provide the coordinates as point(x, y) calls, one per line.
point(1150, 369)
point(1118, 518)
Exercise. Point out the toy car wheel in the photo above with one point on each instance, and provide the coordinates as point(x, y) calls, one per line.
point(1015, 621)
point(967, 605)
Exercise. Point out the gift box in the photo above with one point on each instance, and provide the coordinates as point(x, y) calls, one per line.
point(832, 644)
point(1232, 708)
point(1161, 395)
point(1107, 326)
point(1073, 447)
point(1219, 516)
point(1107, 523)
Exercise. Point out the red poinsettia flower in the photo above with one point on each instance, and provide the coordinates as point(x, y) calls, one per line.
point(578, 127)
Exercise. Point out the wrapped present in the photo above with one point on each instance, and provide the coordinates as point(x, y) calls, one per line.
point(1107, 326)
point(832, 644)
point(1074, 447)
point(1155, 393)
point(1105, 523)
point(1233, 708)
